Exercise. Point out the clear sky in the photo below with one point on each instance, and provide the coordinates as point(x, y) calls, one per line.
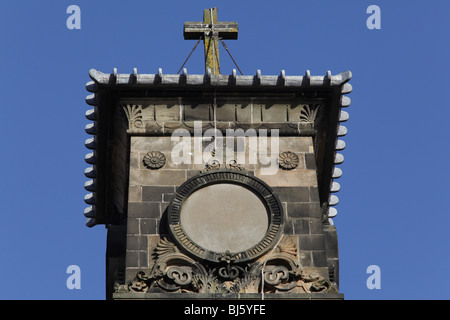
point(393, 209)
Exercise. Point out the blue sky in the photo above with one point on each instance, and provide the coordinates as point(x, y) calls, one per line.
point(393, 209)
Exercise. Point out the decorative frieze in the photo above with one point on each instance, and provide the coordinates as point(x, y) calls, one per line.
point(275, 272)
point(155, 116)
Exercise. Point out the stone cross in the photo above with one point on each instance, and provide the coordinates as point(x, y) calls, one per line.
point(211, 31)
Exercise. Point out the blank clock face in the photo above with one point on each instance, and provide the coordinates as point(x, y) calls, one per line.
point(225, 211)
point(223, 217)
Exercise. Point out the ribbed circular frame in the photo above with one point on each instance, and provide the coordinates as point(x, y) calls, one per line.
point(257, 186)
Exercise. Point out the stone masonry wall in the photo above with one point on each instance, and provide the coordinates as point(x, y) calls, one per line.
point(151, 191)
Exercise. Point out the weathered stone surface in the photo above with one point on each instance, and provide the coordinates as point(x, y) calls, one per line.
point(292, 194)
point(224, 217)
point(156, 193)
point(197, 112)
point(296, 144)
point(310, 160)
point(294, 178)
point(315, 225)
point(135, 193)
point(311, 242)
point(306, 258)
point(157, 178)
point(301, 226)
point(133, 226)
point(319, 258)
point(304, 210)
point(228, 216)
point(148, 226)
point(136, 242)
point(314, 194)
point(144, 209)
point(132, 259)
point(168, 112)
point(288, 227)
point(223, 220)
point(146, 144)
point(228, 296)
point(275, 113)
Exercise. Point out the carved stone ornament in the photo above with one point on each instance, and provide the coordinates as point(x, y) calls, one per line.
point(215, 164)
point(154, 160)
point(309, 115)
point(288, 160)
point(133, 114)
point(253, 212)
point(275, 272)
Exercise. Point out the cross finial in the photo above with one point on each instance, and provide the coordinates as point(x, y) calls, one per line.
point(210, 30)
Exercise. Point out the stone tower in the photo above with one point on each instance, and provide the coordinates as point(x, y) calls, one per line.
point(216, 186)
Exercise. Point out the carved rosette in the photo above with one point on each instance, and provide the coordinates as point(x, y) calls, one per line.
point(154, 160)
point(288, 160)
point(275, 272)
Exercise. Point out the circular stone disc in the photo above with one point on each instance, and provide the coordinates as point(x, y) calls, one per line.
point(224, 216)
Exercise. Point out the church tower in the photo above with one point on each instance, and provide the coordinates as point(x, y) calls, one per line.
point(215, 186)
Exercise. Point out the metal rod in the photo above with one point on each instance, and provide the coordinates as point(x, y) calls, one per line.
point(189, 55)
point(224, 45)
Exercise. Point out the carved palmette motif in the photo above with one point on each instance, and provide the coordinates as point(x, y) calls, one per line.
point(275, 272)
point(133, 114)
point(308, 114)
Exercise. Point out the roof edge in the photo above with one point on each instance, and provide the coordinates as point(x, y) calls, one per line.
point(232, 80)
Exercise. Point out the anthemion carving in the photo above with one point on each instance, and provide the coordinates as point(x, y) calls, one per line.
point(288, 160)
point(154, 160)
point(133, 114)
point(308, 115)
point(275, 272)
